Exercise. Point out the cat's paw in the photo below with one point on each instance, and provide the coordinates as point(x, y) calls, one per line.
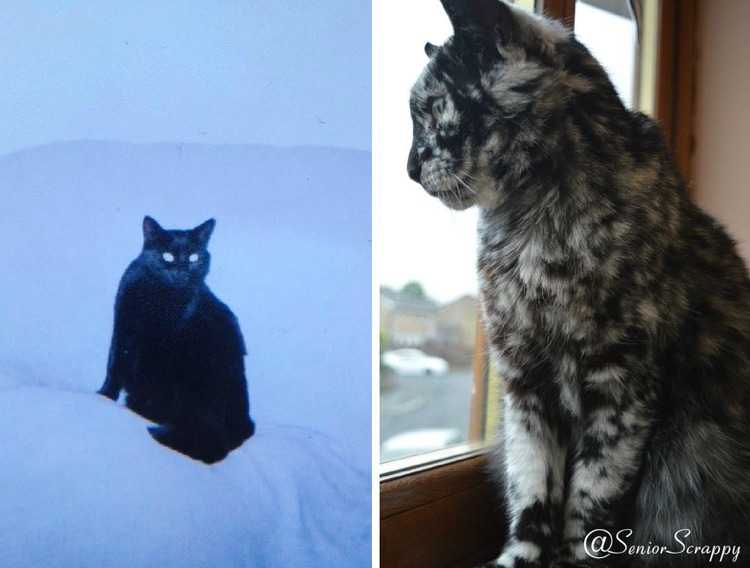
point(109, 393)
point(519, 554)
point(516, 563)
point(589, 563)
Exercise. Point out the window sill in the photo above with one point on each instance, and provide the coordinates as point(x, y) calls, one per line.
point(448, 515)
point(422, 462)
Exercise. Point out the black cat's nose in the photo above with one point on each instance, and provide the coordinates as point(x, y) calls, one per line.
point(417, 155)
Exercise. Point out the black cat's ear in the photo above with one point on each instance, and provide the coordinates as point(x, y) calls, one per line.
point(430, 49)
point(483, 22)
point(203, 231)
point(151, 229)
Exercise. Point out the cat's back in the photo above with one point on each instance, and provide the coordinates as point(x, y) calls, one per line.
point(716, 288)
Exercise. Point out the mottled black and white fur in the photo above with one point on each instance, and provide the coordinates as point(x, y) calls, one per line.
point(617, 312)
point(177, 350)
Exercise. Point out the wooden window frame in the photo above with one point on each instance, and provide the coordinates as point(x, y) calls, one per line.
point(448, 514)
point(675, 78)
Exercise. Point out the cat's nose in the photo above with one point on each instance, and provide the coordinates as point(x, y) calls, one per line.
point(414, 165)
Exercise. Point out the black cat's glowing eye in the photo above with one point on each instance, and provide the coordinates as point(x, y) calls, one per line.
point(168, 256)
point(193, 257)
point(438, 107)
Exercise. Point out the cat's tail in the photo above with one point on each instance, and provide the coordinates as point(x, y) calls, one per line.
point(695, 493)
point(241, 432)
point(208, 443)
point(206, 446)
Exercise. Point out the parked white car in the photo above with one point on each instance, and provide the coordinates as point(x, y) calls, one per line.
point(414, 362)
point(419, 441)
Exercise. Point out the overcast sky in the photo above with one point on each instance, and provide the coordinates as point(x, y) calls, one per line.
point(417, 236)
point(279, 73)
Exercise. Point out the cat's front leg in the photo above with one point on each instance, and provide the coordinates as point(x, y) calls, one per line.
point(111, 387)
point(119, 366)
point(534, 464)
point(114, 380)
point(617, 417)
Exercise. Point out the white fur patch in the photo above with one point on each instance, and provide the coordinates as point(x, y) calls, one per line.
point(528, 454)
point(526, 550)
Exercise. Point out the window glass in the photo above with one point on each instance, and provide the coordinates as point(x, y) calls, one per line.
point(621, 34)
point(428, 292)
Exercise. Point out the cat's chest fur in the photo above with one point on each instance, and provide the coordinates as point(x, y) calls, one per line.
point(153, 310)
point(547, 305)
point(531, 285)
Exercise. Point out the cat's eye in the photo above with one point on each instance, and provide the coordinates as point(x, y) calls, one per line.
point(438, 107)
point(168, 256)
point(193, 257)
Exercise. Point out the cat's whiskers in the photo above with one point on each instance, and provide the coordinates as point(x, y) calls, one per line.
point(463, 183)
point(466, 175)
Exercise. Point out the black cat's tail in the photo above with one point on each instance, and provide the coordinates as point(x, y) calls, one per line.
point(206, 445)
point(241, 432)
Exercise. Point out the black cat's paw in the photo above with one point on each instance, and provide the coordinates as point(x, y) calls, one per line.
point(187, 444)
point(109, 393)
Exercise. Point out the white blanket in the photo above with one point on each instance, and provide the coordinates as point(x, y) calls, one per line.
point(82, 485)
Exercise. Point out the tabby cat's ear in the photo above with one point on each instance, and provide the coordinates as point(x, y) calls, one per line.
point(485, 23)
point(203, 231)
point(151, 229)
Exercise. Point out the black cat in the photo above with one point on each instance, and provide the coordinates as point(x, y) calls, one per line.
point(176, 350)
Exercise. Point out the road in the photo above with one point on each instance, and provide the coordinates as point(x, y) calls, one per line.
point(427, 402)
